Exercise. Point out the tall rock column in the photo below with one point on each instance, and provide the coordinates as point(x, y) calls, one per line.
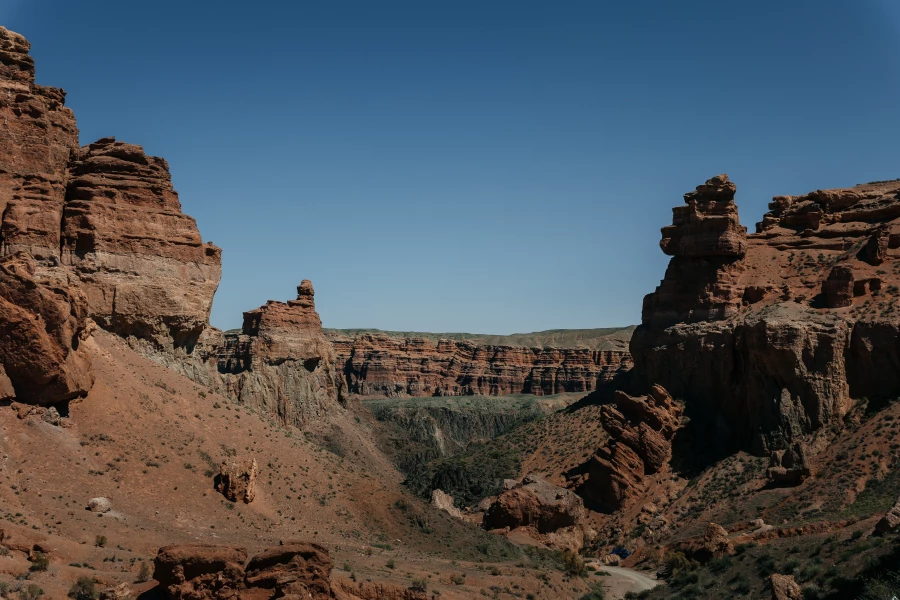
point(281, 362)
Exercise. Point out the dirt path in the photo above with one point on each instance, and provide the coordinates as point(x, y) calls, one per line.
point(622, 580)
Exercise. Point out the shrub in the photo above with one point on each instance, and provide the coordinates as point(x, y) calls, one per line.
point(39, 562)
point(83, 589)
point(573, 564)
point(419, 585)
point(596, 593)
point(32, 592)
point(100, 541)
point(144, 573)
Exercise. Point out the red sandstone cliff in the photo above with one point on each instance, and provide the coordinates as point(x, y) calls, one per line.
point(388, 366)
point(768, 336)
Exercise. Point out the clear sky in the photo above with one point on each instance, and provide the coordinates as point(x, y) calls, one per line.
point(499, 166)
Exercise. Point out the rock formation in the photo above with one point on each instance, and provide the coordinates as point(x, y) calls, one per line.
point(201, 571)
point(41, 325)
point(280, 362)
point(785, 587)
point(556, 513)
point(97, 232)
point(238, 482)
point(39, 133)
point(387, 366)
point(768, 336)
point(641, 431)
point(141, 262)
point(791, 466)
point(714, 544)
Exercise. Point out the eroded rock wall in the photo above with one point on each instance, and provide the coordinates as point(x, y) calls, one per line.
point(378, 365)
point(770, 336)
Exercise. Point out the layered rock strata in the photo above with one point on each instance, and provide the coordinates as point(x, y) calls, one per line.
point(280, 362)
point(141, 262)
point(101, 235)
point(641, 431)
point(768, 336)
point(378, 365)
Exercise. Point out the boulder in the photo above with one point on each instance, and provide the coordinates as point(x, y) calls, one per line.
point(99, 505)
point(537, 504)
point(237, 482)
point(785, 587)
point(120, 592)
point(713, 544)
point(444, 501)
point(641, 430)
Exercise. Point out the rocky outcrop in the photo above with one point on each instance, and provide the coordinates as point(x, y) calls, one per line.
point(95, 232)
point(238, 482)
point(39, 132)
point(444, 501)
point(387, 366)
point(641, 431)
point(41, 325)
point(280, 362)
point(141, 262)
point(791, 466)
point(376, 590)
point(768, 338)
point(785, 587)
point(201, 572)
point(537, 504)
point(713, 544)
point(890, 522)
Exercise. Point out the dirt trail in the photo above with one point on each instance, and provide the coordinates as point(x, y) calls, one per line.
point(622, 580)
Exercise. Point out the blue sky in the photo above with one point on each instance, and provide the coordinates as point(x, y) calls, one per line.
point(472, 166)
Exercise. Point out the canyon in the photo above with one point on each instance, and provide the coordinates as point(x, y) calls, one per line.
point(750, 415)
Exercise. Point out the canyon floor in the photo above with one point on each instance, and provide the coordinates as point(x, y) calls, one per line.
point(151, 441)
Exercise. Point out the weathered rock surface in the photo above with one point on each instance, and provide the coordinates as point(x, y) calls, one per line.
point(768, 336)
point(441, 500)
point(890, 522)
point(201, 572)
point(791, 466)
point(280, 362)
point(641, 431)
point(40, 329)
point(141, 262)
point(714, 544)
point(375, 590)
point(99, 505)
point(785, 587)
point(39, 132)
point(538, 504)
point(237, 482)
point(388, 366)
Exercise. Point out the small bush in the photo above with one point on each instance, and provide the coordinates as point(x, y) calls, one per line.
point(32, 592)
point(100, 541)
point(40, 562)
point(83, 589)
point(144, 573)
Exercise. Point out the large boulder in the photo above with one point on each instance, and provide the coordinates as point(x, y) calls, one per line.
point(537, 504)
point(237, 482)
point(785, 587)
point(292, 568)
point(185, 570)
